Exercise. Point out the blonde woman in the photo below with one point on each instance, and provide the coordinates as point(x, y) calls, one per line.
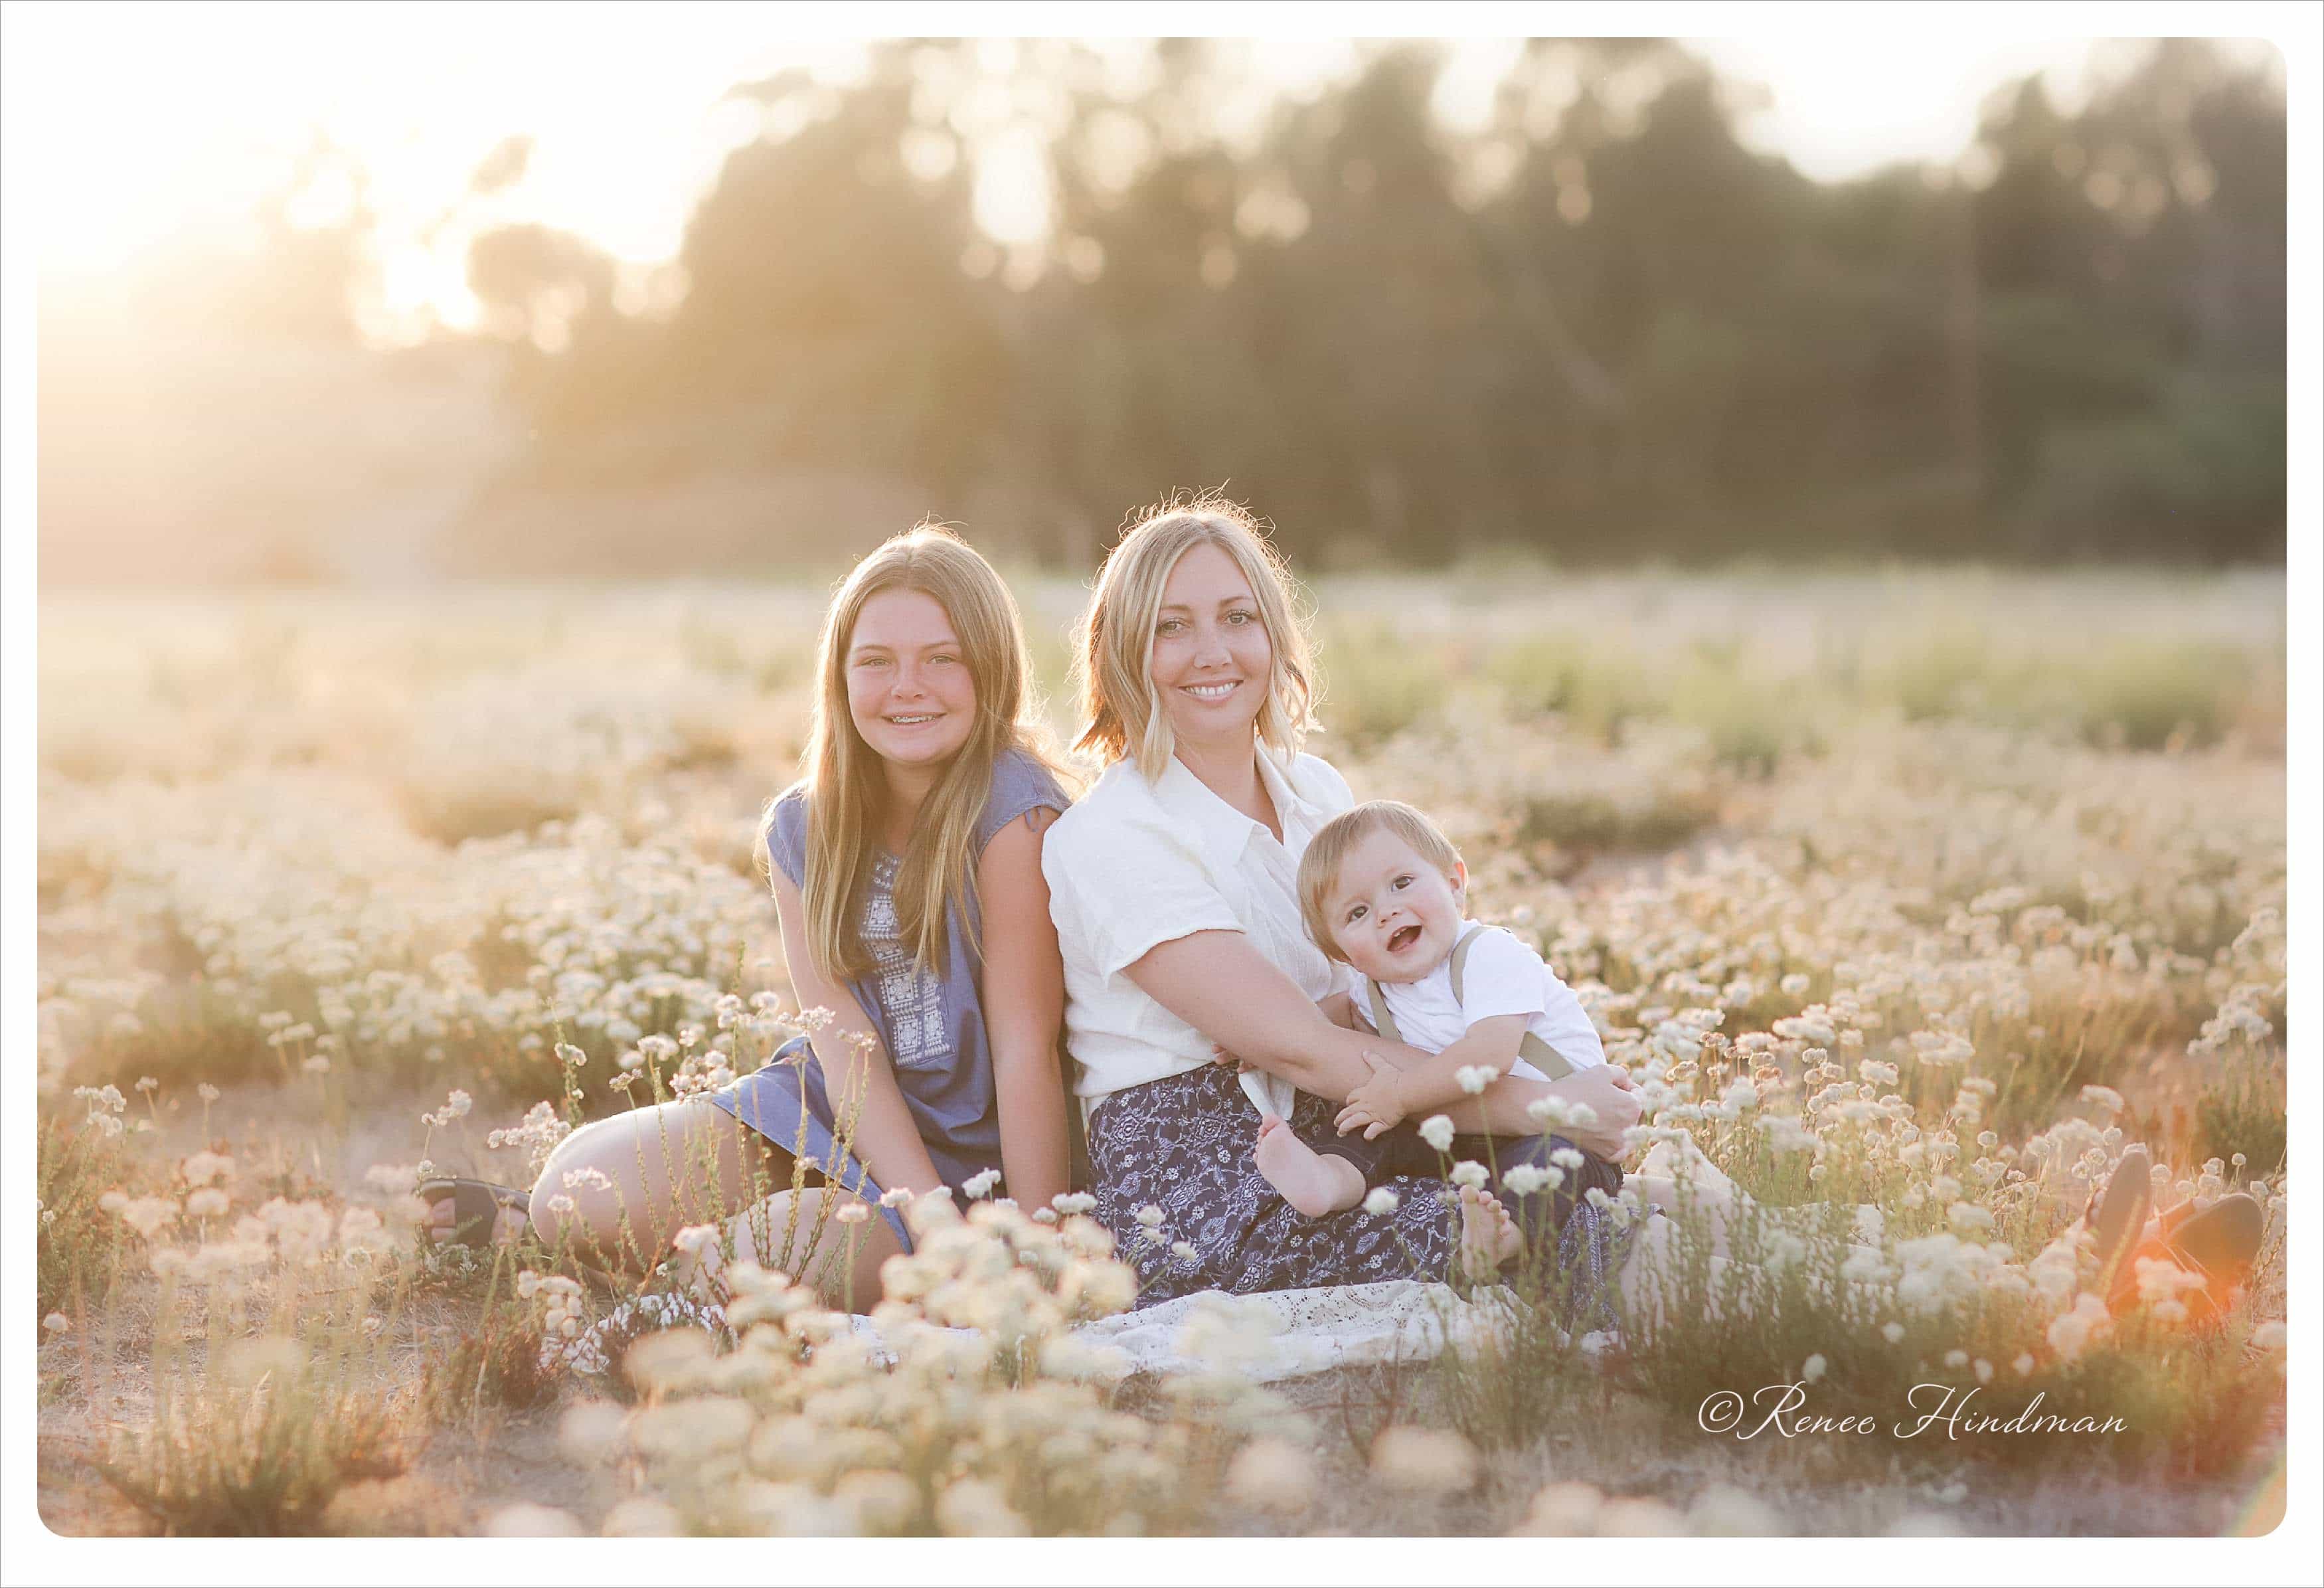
point(1174, 886)
point(908, 882)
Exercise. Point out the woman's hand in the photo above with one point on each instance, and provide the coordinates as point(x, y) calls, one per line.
point(1609, 1093)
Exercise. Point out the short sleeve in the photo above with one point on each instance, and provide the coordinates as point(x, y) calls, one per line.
point(1501, 976)
point(1021, 784)
point(1566, 1026)
point(787, 836)
point(1119, 886)
point(1562, 1022)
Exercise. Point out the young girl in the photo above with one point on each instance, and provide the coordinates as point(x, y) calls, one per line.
point(906, 876)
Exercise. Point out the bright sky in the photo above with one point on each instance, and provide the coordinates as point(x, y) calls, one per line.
point(167, 121)
point(1836, 114)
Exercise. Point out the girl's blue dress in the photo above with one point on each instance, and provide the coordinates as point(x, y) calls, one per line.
point(930, 1020)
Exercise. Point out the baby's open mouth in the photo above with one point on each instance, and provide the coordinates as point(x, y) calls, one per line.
point(1402, 938)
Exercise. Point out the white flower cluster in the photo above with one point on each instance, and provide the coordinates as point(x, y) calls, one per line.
point(284, 884)
point(558, 1298)
point(979, 1414)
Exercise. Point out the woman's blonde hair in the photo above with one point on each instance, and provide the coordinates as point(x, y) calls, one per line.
point(1114, 642)
point(844, 787)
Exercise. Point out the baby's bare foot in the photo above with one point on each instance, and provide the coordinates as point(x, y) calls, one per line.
point(1314, 1183)
point(1489, 1237)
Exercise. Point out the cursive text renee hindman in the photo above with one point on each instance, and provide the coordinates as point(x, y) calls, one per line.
point(1781, 1409)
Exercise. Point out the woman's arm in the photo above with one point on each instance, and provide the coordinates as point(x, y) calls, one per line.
point(1218, 984)
point(1393, 1096)
point(1224, 988)
point(1024, 1007)
point(851, 1057)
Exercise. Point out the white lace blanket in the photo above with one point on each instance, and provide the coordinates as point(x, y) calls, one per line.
point(1289, 1333)
point(1272, 1336)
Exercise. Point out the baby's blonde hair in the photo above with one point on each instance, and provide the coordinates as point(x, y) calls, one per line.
point(1327, 852)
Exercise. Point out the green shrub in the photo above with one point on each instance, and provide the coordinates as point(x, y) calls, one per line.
point(496, 1363)
point(1379, 683)
point(1750, 724)
point(259, 1450)
point(2141, 695)
point(1594, 693)
point(78, 1238)
point(1951, 673)
point(1591, 820)
point(2243, 1111)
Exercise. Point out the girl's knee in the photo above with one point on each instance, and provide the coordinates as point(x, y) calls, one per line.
point(547, 1226)
point(573, 1154)
point(552, 1206)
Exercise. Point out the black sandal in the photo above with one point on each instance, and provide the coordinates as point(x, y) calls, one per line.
point(476, 1206)
point(2224, 1239)
point(2116, 1215)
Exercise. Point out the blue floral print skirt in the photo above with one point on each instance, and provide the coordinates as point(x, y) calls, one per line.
point(1183, 1144)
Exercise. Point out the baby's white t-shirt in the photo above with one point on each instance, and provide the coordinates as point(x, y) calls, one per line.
point(1498, 976)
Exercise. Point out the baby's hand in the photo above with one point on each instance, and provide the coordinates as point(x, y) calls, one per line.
point(1220, 1056)
point(1375, 1106)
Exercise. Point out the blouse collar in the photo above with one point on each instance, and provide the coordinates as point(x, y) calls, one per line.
point(1224, 829)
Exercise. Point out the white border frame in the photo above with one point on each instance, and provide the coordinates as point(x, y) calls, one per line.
point(2293, 1554)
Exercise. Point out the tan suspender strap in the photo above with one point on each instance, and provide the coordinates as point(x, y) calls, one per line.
point(1539, 1054)
point(1382, 1021)
point(1530, 1048)
point(1461, 956)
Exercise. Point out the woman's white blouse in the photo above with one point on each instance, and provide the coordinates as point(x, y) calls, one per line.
point(1135, 864)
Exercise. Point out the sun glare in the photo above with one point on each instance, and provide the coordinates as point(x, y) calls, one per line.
point(170, 127)
point(1013, 188)
point(1839, 108)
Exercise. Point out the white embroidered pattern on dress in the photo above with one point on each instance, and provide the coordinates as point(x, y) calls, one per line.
point(911, 998)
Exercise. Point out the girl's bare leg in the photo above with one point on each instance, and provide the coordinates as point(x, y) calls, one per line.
point(617, 1191)
point(842, 1260)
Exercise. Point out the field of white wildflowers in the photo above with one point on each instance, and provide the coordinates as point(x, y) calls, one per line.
point(1911, 900)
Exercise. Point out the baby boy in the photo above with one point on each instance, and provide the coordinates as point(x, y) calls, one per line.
point(1382, 890)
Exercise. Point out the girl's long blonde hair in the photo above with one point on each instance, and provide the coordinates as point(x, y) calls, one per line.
point(1114, 645)
point(845, 788)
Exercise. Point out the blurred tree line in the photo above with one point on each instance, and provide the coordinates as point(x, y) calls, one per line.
point(1600, 326)
point(1593, 325)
